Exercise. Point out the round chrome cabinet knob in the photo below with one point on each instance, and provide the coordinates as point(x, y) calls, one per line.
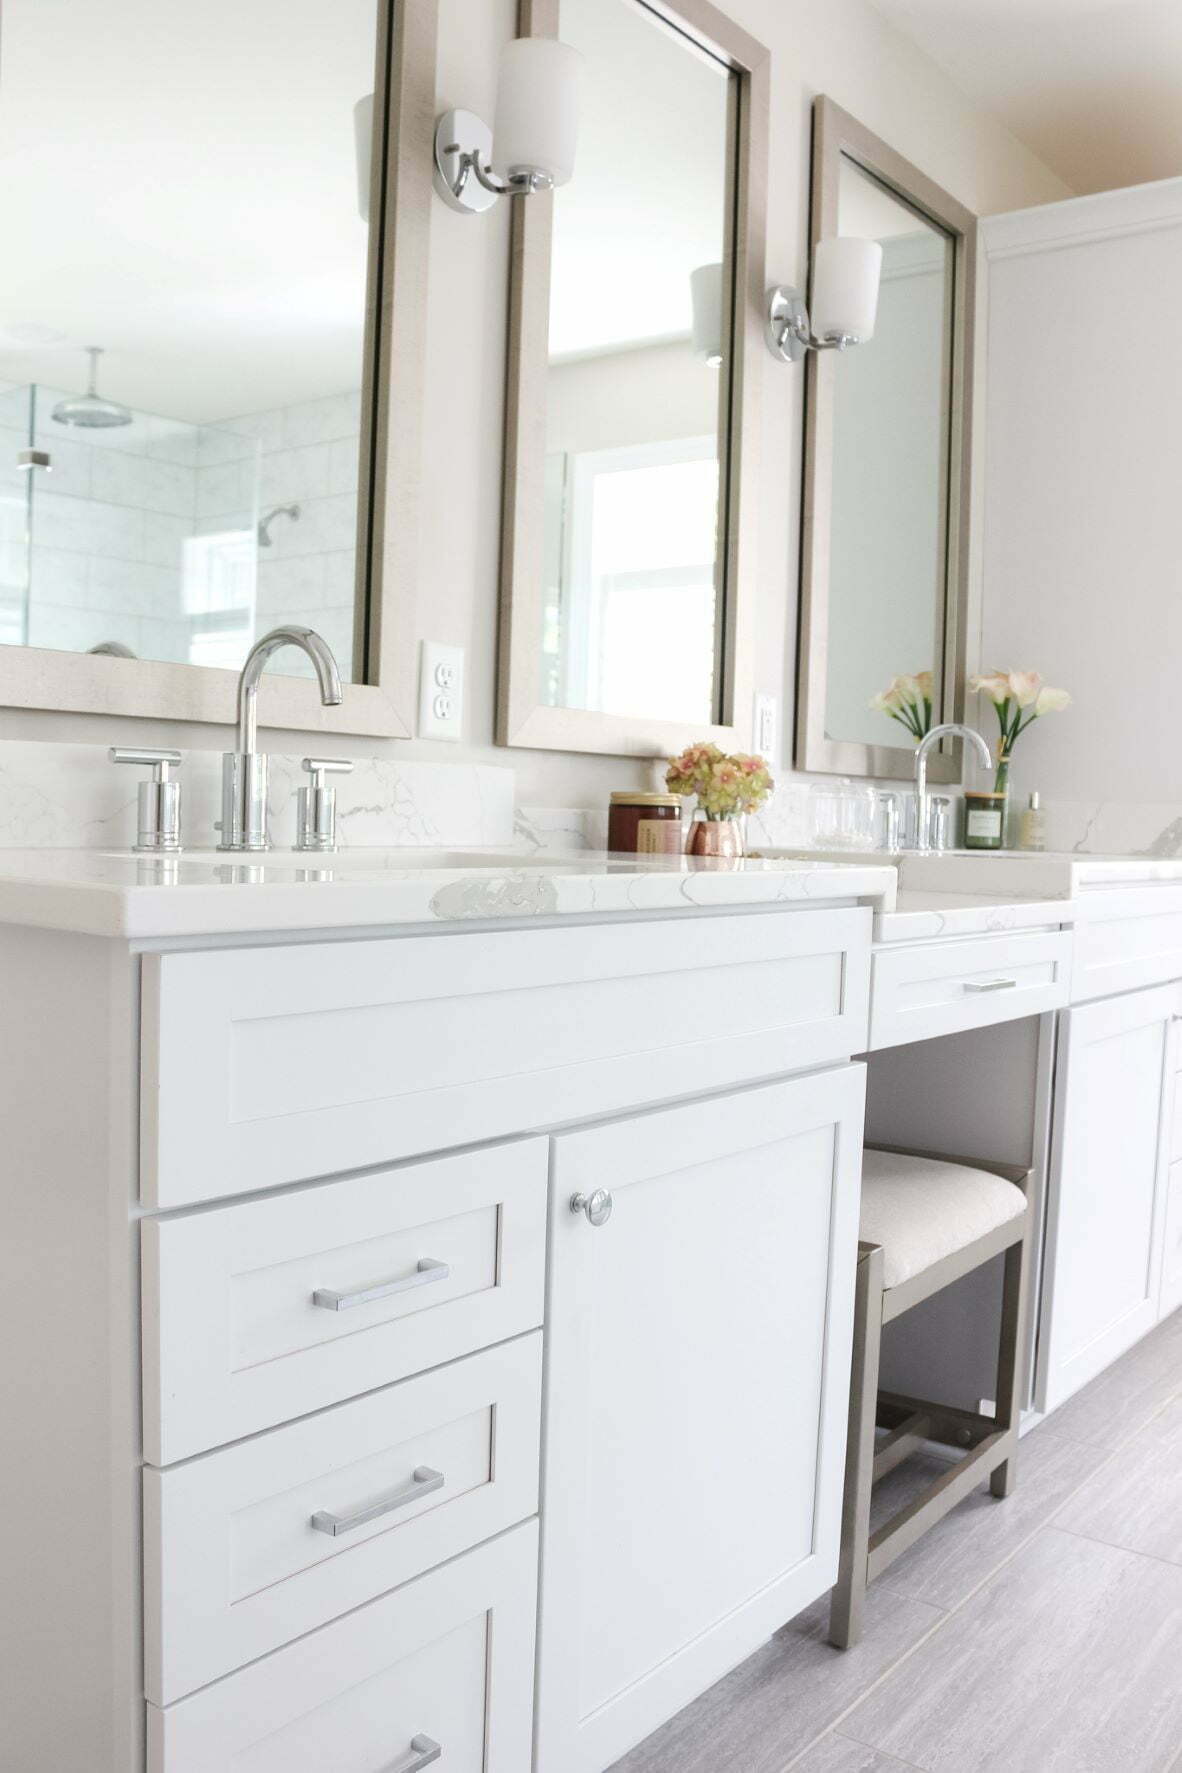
point(597, 1206)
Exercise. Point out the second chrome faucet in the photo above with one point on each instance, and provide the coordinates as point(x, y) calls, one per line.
point(244, 770)
point(951, 729)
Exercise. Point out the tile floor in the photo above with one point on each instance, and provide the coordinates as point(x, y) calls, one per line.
point(1042, 1634)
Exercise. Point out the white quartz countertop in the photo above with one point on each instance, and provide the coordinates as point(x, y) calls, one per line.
point(205, 893)
point(918, 916)
point(1009, 876)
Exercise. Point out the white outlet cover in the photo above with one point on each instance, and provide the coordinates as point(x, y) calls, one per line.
point(766, 723)
point(441, 691)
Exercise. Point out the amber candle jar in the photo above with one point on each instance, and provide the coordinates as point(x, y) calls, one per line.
point(644, 824)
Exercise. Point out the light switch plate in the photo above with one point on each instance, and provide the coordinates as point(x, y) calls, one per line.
point(441, 691)
point(765, 727)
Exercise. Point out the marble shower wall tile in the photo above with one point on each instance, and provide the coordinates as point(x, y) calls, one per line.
point(71, 796)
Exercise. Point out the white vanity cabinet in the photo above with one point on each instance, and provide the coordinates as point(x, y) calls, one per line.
point(299, 1241)
point(1110, 1171)
point(696, 1397)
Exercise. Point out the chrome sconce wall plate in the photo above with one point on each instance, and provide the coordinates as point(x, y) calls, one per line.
point(535, 128)
point(846, 274)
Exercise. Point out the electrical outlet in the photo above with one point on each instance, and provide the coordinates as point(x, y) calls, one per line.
point(441, 691)
point(765, 727)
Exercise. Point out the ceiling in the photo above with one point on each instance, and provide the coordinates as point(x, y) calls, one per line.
point(178, 185)
point(1093, 87)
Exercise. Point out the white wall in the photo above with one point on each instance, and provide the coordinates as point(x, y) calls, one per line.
point(1082, 572)
point(840, 47)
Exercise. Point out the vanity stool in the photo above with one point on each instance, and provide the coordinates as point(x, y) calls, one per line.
point(926, 1219)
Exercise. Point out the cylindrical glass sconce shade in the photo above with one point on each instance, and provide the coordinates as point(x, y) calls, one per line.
point(706, 298)
point(844, 299)
point(537, 108)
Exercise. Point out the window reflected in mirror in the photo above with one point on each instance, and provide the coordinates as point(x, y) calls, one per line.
point(637, 386)
point(182, 324)
point(891, 427)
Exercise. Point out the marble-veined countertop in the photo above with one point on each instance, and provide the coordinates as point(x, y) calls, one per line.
point(917, 917)
point(207, 893)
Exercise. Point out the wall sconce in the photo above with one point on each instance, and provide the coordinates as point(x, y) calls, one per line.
point(706, 304)
point(846, 275)
point(534, 130)
point(363, 151)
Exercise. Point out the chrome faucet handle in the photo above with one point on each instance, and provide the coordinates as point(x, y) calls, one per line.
point(316, 804)
point(890, 810)
point(939, 822)
point(158, 820)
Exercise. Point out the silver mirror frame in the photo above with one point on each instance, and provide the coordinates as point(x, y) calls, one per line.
point(387, 523)
point(522, 717)
point(836, 133)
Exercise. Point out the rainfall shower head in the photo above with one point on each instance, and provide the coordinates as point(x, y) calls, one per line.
point(90, 410)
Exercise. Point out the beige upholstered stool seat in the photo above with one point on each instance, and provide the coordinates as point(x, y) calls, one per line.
point(921, 1210)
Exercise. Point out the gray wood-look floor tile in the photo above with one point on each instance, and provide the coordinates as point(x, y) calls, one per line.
point(1122, 1400)
point(978, 1536)
point(1136, 1500)
point(837, 1754)
point(773, 1705)
point(1065, 1662)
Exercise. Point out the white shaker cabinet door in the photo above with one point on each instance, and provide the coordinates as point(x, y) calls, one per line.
point(1106, 1205)
point(696, 1399)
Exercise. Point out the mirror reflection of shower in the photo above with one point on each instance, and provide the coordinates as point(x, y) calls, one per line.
point(289, 511)
point(90, 411)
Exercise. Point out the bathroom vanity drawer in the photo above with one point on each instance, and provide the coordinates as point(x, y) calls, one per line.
point(257, 1313)
point(924, 989)
point(1171, 1268)
point(446, 1660)
point(253, 1546)
point(1126, 941)
point(271, 1065)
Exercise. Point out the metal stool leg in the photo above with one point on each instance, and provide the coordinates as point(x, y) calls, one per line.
point(849, 1594)
point(1011, 1361)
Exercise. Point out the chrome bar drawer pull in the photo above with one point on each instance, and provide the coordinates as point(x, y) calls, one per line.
point(421, 1484)
point(426, 1272)
point(990, 984)
point(423, 1751)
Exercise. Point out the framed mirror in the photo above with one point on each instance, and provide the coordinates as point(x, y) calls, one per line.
point(634, 335)
point(887, 465)
point(212, 302)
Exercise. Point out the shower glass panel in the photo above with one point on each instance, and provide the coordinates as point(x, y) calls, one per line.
point(16, 436)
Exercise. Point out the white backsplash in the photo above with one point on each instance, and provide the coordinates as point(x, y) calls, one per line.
point(72, 796)
point(64, 796)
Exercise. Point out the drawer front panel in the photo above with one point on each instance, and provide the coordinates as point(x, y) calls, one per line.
point(234, 1564)
point(260, 1312)
point(445, 1660)
point(272, 1065)
point(1126, 953)
point(926, 989)
point(1171, 1271)
point(1173, 1108)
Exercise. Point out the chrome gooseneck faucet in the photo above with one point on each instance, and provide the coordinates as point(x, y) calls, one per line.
point(244, 771)
point(923, 811)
